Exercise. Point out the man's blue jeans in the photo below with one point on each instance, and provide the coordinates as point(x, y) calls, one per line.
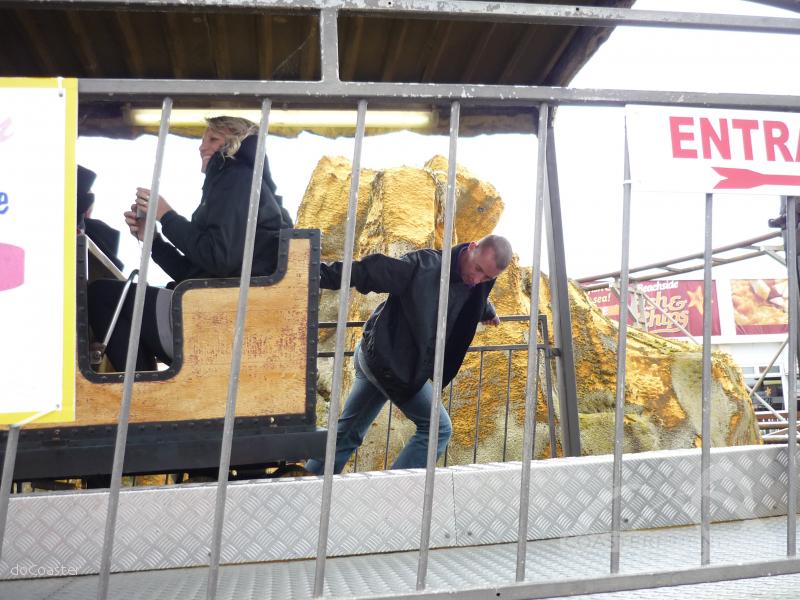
point(365, 401)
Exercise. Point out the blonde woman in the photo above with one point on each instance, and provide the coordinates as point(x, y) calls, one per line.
point(210, 244)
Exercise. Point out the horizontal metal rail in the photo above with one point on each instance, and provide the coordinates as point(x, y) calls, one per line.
point(381, 94)
point(592, 282)
point(618, 583)
point(588, 16)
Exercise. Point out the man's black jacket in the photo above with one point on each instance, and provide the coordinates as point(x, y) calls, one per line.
point(212, 243)
point(400, 336)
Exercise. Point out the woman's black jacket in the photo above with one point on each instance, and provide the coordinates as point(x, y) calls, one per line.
point(212, 243)
point(399, 338)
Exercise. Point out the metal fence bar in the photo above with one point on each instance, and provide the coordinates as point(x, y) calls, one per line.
point(329, 43)
point(236, 354)
point(622, 347)
point(548, 382)
point(130, 362)
point(388, 433)
point(791, 395)
point(560, 305)
point(438, 361)
point(508, 404)
point(338, 361)
point(533, 355)
point(705, 452)
point(478, 412)
point(449, 412)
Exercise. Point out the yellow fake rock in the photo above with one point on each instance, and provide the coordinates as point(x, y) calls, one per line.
point(402, 209)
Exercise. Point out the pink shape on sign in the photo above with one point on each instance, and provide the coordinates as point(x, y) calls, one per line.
point(12, 266)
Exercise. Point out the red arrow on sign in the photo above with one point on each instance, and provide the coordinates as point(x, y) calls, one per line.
point(745, 179)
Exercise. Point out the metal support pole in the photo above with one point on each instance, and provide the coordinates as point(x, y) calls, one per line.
point(705, 451)
point(236, 354)
point(130, 362)
point(559, 298)
point(791, 395)
point(533, 354)
point(622, 348)
point(548, 385)
point(338, 359)
point(438, 361)
point(329, 44)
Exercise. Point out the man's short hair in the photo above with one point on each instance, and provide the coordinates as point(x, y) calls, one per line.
point(501, 247)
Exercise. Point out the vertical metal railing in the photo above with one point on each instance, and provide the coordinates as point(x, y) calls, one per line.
point(791, 395)
point(438, 361)
point(508, 404)
point(478, 410)
point(548, 385)
point(130, 362)
point(622, 347)
point(236, 354)
point(449, 413)
point(338, 360)
point(389, 433)
point(533, 354)
point(705, 434)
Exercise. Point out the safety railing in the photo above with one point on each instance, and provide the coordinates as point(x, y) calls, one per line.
point(541, 100)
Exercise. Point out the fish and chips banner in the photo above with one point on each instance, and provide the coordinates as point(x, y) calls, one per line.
point(38, 129)
point(747, 307)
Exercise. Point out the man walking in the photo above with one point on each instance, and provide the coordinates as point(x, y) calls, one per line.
point(395, 356)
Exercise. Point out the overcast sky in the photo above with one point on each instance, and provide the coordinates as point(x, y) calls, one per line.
point(589, 146)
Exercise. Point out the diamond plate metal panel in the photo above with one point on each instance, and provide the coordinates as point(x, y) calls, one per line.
point(54, 531)
point(573, 496)
point(161, 528)
point(275, 520)
point(464, 569)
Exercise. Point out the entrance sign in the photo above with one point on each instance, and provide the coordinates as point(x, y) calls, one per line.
point(679, 149)
point(38, 129)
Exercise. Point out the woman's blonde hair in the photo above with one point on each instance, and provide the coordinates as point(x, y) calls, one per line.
point(233, 129)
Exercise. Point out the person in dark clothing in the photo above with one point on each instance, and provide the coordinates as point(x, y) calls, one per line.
point(395, 357)
point(211, 244)
point(103, 235)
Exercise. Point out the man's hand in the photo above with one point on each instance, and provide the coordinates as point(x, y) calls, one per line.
point(494, 321)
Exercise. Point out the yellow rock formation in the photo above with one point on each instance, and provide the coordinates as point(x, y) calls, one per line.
point(400, 210)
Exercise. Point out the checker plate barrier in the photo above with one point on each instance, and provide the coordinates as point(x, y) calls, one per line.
point(276, 520)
